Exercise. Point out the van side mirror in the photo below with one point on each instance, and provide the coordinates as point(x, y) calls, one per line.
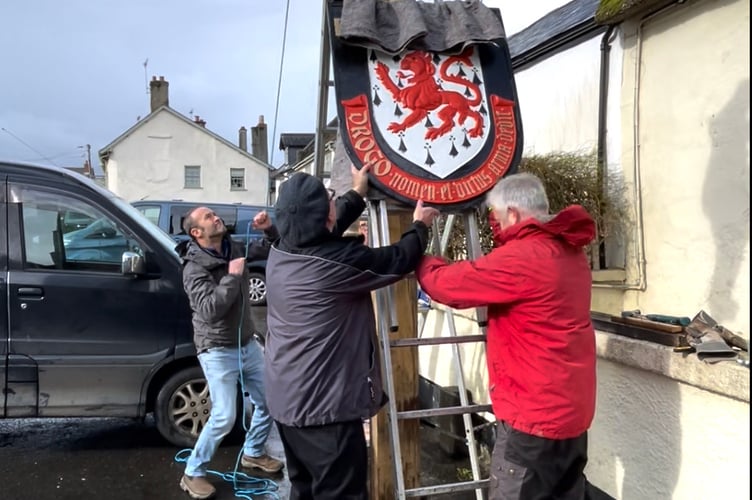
point(132, 264)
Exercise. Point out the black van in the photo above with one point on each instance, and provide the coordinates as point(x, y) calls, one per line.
point(94, 321)
point(168, 215)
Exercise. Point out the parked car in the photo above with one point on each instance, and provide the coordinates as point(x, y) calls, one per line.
point(94, 321)
point(168, 215)
point(99, 241)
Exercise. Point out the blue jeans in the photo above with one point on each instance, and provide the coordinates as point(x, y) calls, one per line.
point(222, 371)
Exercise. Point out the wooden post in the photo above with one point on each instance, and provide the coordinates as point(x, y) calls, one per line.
point(405, 376)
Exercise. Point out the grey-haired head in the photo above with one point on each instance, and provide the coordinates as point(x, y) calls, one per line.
point(518, 197)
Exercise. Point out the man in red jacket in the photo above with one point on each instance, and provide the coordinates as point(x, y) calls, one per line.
point(540, 347)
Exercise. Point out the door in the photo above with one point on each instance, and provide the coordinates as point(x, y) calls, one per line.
point(83, 336)
point(3, 294)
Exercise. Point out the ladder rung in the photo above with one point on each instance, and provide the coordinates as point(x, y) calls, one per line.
point(447, 488)
point(439, 412)
point(459, 339)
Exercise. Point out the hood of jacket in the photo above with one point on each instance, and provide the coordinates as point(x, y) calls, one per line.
point(189, 250)
point(301, 211)
point(574, 225)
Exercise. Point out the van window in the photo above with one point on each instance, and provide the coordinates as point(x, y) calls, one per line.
point(178, 213)
point(52, 242)
point(151, 212)
point(245, 217)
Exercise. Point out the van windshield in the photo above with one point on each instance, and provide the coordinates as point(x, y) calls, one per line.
point(159, 235)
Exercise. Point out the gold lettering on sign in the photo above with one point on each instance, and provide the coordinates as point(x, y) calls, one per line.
point(358, 118)
point(365, 143)
point(358, 131)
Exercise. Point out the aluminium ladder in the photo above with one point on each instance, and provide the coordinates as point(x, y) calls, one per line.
point(379, 236)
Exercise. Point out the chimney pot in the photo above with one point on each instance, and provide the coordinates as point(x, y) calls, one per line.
point(260, 141)
point(159, 92)
point(243, 139)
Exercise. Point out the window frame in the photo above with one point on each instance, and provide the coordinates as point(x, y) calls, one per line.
point(34, 196)
point(186, 169)
point(234, 171)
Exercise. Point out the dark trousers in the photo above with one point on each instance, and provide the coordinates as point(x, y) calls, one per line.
point(527, 467)
point(328, 462)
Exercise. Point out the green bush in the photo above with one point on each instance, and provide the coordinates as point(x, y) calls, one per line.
point(570, 178)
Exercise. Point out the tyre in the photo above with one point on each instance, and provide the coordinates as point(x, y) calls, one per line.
point(257, 288)
point(183, 406)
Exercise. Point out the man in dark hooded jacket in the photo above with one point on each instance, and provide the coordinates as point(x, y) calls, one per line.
point(322, 363)
point(540, 348)
point(215, 279)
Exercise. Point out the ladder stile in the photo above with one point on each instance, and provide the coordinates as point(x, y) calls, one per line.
point(448, 225)
point(466, 417)
point(384, 228)
point(399, 479)
point(473, 252)
point(378, 239)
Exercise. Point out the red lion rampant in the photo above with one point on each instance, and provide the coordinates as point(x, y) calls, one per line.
point(422, 94)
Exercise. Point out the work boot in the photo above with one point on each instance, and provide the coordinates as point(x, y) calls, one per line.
point(197, 487)
point(264, 463)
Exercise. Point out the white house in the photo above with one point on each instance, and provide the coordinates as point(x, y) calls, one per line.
point(168, 156)
point(660, 89)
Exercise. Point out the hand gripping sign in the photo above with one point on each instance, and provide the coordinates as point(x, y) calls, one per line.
point(441, 127)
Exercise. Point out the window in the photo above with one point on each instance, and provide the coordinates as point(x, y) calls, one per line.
point(237, 179)
point(244, 226)
point(228, 215)
point(192, 177)
point(151, 213)
point(178, 213)
point(60, 232)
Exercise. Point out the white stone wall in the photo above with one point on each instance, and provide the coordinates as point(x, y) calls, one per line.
point(656, 437)
point(150, 163)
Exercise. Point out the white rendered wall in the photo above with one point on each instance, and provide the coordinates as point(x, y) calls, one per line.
point(150, 163)
point(693, 152)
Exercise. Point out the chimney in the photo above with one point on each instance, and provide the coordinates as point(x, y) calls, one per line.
point(159, 91)
point(198, 121)
point(260, 141)
point(243, 139)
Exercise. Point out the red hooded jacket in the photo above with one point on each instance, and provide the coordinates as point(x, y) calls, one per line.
point(540, 347)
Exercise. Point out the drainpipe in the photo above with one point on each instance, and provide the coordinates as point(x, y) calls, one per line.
point(602, 115)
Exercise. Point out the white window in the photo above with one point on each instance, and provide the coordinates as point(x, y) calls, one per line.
point(237, 179)
point(193, 176)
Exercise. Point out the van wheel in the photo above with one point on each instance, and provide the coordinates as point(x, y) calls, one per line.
point(183, 406)
point(257, 289)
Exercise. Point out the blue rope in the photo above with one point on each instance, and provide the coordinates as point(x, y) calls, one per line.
point(245, 486)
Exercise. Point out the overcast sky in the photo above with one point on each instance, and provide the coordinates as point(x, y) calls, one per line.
point(72, 72)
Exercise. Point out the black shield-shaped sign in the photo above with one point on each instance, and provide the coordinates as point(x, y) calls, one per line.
point(435, 126)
